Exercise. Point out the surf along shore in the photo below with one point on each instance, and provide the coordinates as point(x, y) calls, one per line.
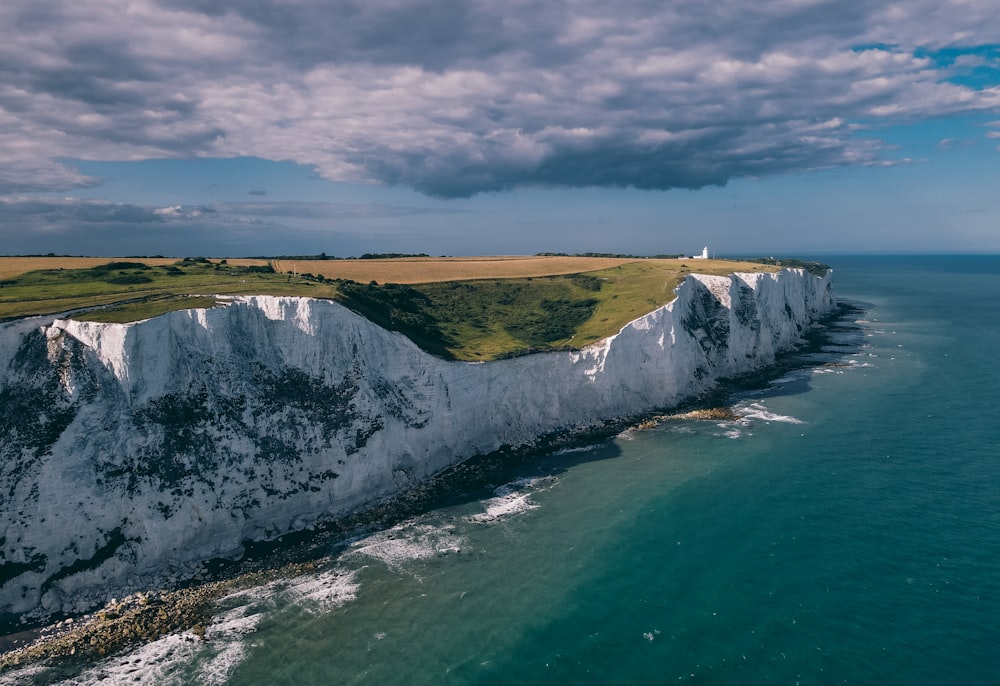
point(146, 616)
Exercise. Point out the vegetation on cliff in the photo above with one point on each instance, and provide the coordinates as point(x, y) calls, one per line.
point(138, 288)
point(478, 318)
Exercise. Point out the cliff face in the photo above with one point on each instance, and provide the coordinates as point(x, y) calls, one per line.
point(129, 453)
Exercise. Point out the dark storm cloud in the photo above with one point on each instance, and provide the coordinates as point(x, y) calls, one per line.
point(456, 97)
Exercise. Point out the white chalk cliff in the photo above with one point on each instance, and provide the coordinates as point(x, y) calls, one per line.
point(131, 452)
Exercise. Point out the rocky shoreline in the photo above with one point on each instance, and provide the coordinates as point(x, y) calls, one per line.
point(139, 618)
point(145, 616)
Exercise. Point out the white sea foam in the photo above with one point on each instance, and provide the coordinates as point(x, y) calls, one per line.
point(511, 499)
point(227, 633)
point(535, 483)
point(184, 658)
point(325, 591)
point(23, 676)
point(732, 432)
point(232, 623)
point(168, 661)
point(578, 449)
point(408, 541)
point(322, 591)
point(218, 669)
point(255, 594)
point(792, 377)
point(503, 506)
point(758, 411)
point(160, 662)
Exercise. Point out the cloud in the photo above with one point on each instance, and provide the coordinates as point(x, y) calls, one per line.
point(26, 224)
point(457, 97)
point(323, 211)
point(59, 213)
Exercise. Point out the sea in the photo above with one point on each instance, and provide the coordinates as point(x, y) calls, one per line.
point(844, 529)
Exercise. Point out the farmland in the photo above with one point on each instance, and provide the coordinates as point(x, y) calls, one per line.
point(11, 267)
point(456, 308)
point(410, 270)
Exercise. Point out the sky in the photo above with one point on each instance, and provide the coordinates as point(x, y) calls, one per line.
point(464, 127)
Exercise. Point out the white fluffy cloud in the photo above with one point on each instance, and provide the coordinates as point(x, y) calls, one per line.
point(455, 97)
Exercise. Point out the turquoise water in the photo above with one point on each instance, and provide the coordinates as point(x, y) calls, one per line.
point(847, 530)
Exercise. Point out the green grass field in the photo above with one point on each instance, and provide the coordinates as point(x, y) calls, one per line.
point(133, 287)
point(487, 319)
point(480, 319)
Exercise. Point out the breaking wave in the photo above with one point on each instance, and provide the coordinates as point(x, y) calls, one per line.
point(186, 658)
point(758, 411)
point(510, 500)
point(408, 541)
point(177, 659)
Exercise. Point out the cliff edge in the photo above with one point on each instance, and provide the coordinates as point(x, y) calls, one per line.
point(129, 453)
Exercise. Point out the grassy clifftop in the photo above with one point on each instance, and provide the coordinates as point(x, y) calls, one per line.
point(135, 288)
point(485, 319)
point(490, 315)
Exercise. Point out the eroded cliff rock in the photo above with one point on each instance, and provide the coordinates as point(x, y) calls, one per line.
point(130, 452)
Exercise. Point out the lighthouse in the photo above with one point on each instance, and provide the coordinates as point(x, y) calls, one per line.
point(703, 255)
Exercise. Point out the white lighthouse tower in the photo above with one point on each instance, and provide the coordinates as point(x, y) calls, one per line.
point(703, 255)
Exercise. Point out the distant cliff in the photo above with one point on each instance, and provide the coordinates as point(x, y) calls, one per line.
point(131, 452)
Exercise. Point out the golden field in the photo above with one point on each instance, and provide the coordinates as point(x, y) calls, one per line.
point(409, 270)
point(11, 267)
